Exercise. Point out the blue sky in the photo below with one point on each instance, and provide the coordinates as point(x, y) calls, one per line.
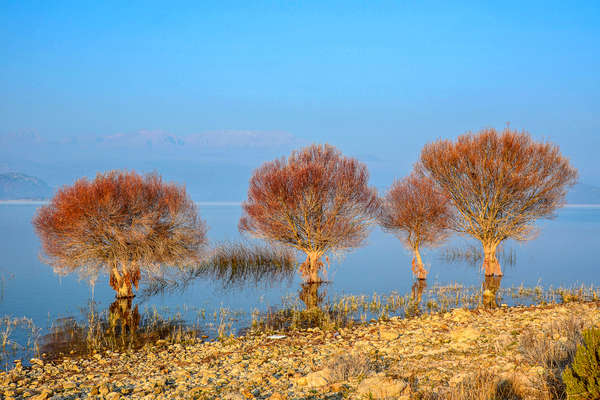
point(377, 79)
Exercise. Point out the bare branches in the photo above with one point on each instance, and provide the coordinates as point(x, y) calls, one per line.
point(416, 211)
point(499, 183)
point(119, 222)
point(315, 201)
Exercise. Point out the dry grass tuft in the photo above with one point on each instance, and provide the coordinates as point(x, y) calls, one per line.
point(552, 348)
point(481, 386)
point(347, 366)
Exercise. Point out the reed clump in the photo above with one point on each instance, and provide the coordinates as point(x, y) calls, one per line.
point(17, 335)
point(472, 255)
point(233, 265)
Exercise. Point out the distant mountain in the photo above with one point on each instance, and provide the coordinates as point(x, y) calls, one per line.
point(584, 194)
point(16, 186)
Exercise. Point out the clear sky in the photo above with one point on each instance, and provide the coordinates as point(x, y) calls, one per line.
point(377, 79)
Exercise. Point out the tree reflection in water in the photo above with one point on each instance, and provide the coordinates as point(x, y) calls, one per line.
point(416, 295)
point(490, 290)
point(119, 327)
point(121, 314)
point(311, 296)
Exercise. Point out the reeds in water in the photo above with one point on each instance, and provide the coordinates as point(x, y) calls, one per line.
point(233, 265)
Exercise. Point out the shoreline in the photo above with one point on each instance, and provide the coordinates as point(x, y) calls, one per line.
point(396, 358)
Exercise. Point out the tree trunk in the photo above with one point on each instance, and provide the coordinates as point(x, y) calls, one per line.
point(312, 266)
point(418, 267)
point(491, 265)
point(121, 282)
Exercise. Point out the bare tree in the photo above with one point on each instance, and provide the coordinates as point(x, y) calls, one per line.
point(499, 183)
point(120, 222)
point(316, 201)
point(418, 213)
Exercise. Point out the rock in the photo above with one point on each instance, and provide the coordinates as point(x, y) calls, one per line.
point(386, 334)
point(42, 396)
point(233, 396)
point(68, 385)
point(278, 396)
point(37, 361)
point(316, 379)
point(460, 315)
point(463, 335)
point(103, 390)
point(382, 387)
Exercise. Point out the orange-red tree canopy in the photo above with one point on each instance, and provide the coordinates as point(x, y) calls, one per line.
point(418, 213)
point(119, 222)
point(316, 201)
point(499, 183)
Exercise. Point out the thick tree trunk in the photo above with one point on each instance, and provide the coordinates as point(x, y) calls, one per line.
point(312, 266)
point(121, 282)
point(491, 265)
point(418, 267)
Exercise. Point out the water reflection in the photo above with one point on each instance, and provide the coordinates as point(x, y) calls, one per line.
point(416, 296)
point(472, 255)
point(311, 296)
point(121, 315)
point(233, 265)
point(121, 326)
point(490, 291)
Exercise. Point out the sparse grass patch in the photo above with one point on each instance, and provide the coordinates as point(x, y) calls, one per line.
point(480, 386)
point(353, 365)
point(552, 348)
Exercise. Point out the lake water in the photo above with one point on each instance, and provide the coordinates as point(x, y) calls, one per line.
point(563, 254)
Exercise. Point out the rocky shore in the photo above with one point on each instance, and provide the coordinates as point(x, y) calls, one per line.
point(394, 359)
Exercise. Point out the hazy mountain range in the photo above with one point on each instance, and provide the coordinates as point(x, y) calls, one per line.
point(214, 166)
point(15, 186)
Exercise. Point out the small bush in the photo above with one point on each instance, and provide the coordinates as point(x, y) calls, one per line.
point(541, 347)
point(347, 366)
point(582, 378)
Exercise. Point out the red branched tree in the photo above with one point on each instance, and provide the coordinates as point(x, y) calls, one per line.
point(499, 184)
point(418, 213)
point(121, 223)
point(316, 201)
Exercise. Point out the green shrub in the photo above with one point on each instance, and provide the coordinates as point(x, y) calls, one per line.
point(582, 379)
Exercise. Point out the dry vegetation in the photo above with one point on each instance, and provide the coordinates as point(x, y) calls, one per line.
point(120, 223)
point(418, 213)
point(499, 184)
point(315, 201)
point(233, 265)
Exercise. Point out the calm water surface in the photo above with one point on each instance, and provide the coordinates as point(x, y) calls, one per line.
point(563, 254)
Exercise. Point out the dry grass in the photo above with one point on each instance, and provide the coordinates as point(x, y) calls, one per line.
point(233, 265)
point(348, 366)
point(473, 255)
point(12, 328)
point(481, 386)
point(552, 348)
